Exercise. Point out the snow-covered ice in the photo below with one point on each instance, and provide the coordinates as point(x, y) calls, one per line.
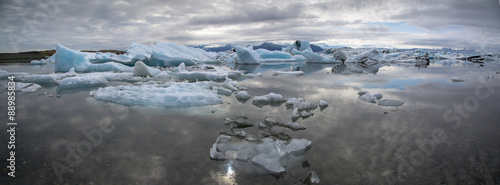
point(271, 98)
point(140, 69)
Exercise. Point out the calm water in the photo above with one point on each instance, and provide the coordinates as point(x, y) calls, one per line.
point(353, 142)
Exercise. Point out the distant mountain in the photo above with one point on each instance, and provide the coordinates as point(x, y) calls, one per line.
point(316, 48)
point(227, 47)
point(269, 46)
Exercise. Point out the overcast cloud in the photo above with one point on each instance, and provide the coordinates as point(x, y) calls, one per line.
point(114, 24)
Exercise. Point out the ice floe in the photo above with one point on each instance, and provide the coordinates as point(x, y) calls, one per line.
point(315, 58)
point(169, 95)
point(457, 79)
point(82, 82)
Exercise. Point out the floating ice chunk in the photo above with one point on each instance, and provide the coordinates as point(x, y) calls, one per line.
point(457, 79)
point(26, 87)
point(276, 156)
point(361, 93)
point(269, 98)
point(295, 113)
point(206, 73)
point(392, 103)
point(297, 146)
point(313, 177)
point(217, 155)
point(371, 97)
point(293, 126)
point(164, 60)
point(323, 103)
point(315, 58)
point(301, 45)
point(223, 91)
point(38, 62)
point(246, 56)
point(67, 59)
point(140, 69)
point(171, 95)
point(243, 95)
point(230, 84)
point(301, 104)
point(82, 82)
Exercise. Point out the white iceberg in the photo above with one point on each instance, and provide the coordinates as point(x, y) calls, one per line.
point(205, 73)
point(246, 56)
point(170, 54)
point(140, 69)
point(243, 95)
point(67, 59)
point(170, 95)
point(371, 97)
point(269, 98)
point(302, 45)
point(323, 103)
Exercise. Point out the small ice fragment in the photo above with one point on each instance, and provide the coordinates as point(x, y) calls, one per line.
point(140, 69)
point(378, 95)
point(369, 97)
point(457, 79)
point(392, 103)
point(243, 95)
point(269, 98)
point(313, 177)
point(323, 103)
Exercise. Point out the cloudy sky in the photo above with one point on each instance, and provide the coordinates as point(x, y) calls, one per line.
point(114, 24)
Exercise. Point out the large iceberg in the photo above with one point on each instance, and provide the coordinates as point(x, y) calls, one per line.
point(246, 56)
point(302, 45)
point(170, 54)
point(67, 59)
point(170, 95)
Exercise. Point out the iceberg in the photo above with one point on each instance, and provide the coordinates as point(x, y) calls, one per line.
point(67, 59)
point(275, 56)
point(243, 95)
point(315, 58)
point(271, 98)
point(371, 97)
point(323, 103)
point(301, 104)
point(246, 56)
point(82, 82)
point(170, 95)
point(140, 69)
point(206, 73)
point(170, 54)
point(302, 45)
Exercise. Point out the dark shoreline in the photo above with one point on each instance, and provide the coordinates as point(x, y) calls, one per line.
point(28, 56)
